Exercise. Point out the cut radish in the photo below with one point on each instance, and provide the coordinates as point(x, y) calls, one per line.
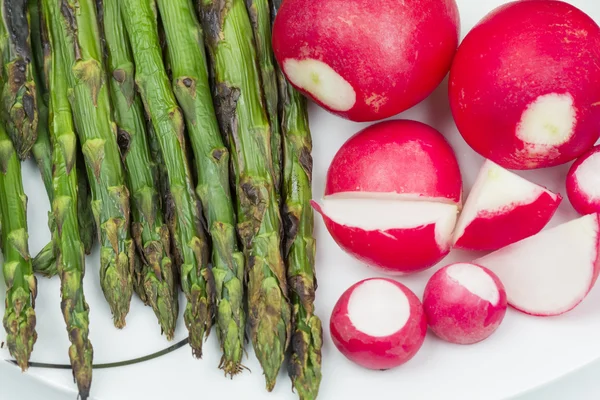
point(396, 236)
point(583, 182)
point(378, 324)
point(464, 303)
point(392, 196)
point(552, 272)
point(502, 208)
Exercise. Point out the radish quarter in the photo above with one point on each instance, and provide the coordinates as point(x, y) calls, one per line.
point(524, 84)
point(464, 303)
point(366, 60)
point(378, 323)
point(583, 182)
point(392, 196)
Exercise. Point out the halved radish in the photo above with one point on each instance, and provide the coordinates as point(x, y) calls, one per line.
point(549, 273)
point(502, 208)
point(378, 324)
point(464, 303)
point(392, 196)
point(524, 84)
point(583, 182)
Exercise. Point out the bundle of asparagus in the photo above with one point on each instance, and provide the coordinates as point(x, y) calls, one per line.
point(96, 71)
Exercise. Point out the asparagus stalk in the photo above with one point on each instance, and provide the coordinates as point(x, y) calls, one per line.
point(299, 244)
point(74, 33)
point(19, 108)
point(68, 248)
point(21, 286)
point(191, 87)
point(240, 108)
point(44, 262)
point(149, 230)
point(184, 211)
point(260, 18)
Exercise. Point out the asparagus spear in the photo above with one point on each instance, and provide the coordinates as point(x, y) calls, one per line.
point(149, 231)
point(240, 109)
point(191, 87)
point(74, 33)
point(184, 211)
point(19, 108)
point(68, 248)
point(21, 285)
point(42, 150)
point(260, 18)
point(299, 244)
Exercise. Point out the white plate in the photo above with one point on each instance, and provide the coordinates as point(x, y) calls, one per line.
point(524, 353)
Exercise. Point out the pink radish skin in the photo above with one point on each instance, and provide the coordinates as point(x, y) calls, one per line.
point(332, 51)
point(378, 324)
point(464, 303)
point(583, 182)
point(551, 272)
point(397, 157)
point(505, 96)
point(392, 196)
point(503, 208)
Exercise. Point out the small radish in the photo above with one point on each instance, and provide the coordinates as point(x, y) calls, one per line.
point(464, 303)
point(378, 323)
point(366, 60)
point(551, 272)
point(583, 182)
point(502, 208)
point(392, 196)
point(524, 84)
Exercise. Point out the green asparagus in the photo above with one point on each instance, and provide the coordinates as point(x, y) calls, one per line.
point(19, 108)
point(260, 18)
point(184, 211)
point(21, 285)
point(74, 33)
point(149, 231)
point(299, 244)
point(191, 87)
point(240, 108)
point(68, 248)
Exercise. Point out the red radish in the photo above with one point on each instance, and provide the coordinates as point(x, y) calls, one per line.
point(366, 60)
point(583, 182)
point(378, 323)
point(464, 303)
point(552, 272)
point(502, 208)
point(523, 84)
point(392, 196)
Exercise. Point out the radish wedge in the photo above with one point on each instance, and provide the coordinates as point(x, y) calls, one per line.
point(552, 272)
point(501, 209)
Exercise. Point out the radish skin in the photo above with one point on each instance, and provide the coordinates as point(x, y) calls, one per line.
point(583, 182)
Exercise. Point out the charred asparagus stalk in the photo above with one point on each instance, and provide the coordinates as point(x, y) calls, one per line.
point(74, 33)
point(21, 286)
point(68, 248)
point(241, 111)
point(299, 244)
point(19, 108)
point(149, 230)
point(184, 211)
point(191, 87)
point(260, 18)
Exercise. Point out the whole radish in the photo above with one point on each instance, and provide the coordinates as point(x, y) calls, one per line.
point(366, 60)
point(524, 84)
point(464, 303)
point(392, 196)
point(583, 182)
point(378, 324)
